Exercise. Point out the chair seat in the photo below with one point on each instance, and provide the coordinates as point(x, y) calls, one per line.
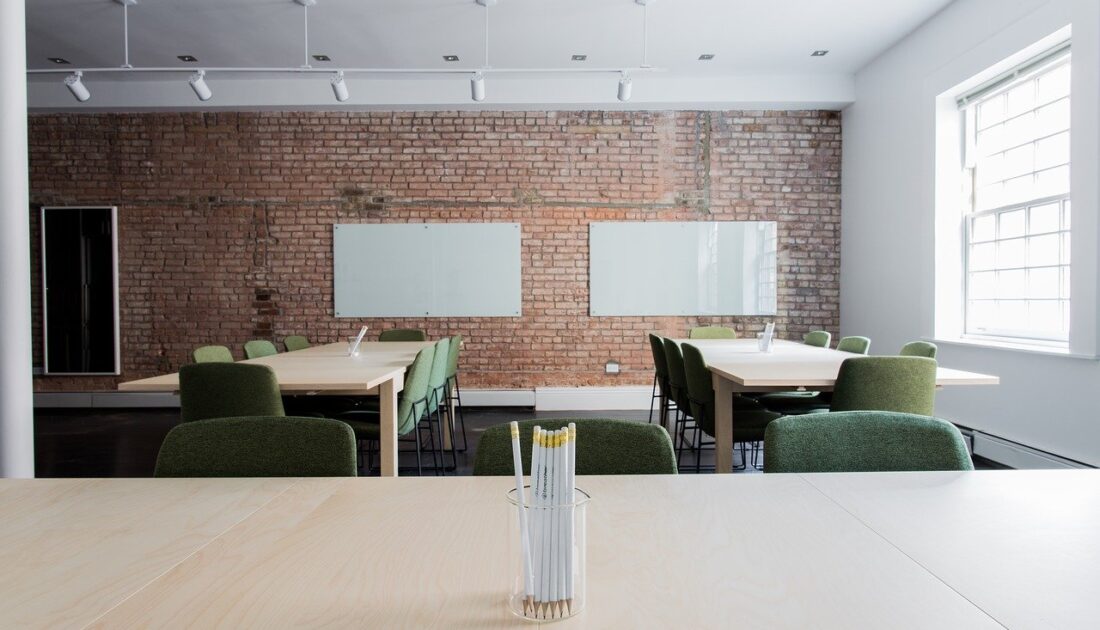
point(792, 403)
point(749, 426)
point(366, 424)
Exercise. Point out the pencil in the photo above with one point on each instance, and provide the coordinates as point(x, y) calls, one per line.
point(525, 541)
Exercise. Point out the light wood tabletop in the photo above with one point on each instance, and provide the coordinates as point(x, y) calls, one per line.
point(898, 550)
point(738, 365)
point(328, 370)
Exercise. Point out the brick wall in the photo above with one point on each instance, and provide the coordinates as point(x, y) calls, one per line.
point(225, 219)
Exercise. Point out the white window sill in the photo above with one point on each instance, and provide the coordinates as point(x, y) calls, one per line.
point(1014, 347)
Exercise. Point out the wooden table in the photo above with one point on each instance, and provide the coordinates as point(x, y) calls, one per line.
point(897, 550)
point(328, 370)
point(737, 365)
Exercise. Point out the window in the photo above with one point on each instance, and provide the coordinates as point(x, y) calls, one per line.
point(1016, 226)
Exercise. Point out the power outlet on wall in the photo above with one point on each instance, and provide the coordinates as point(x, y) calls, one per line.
point(611, 367)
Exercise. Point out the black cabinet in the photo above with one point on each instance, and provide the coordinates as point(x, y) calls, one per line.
point(80, 290)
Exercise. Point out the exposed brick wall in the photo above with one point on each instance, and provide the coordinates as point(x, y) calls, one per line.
point(225, 219)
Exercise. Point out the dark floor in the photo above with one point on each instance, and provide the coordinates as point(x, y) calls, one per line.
point(124, 442)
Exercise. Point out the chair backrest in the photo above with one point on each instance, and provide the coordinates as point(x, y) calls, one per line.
point(918, 349)
point(855, 345)
point(259, 348)
point(212, 354)
point(295, 342)
point(414, 397)
point(901, 384)
point(258, 446)
point(818, 338)
point(660, 364)
point(604, 447)
point(452, 357)
point(863, 441)
point(225, 390)
point(403, 334)
point(437, 376)
point(712, 332)
point(677, 379)
point(700, 388)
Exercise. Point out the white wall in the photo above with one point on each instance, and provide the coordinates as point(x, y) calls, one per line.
point(888, 217)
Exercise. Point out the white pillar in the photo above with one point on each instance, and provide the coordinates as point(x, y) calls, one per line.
point(16, 395)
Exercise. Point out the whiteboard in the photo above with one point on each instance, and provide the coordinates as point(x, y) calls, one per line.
point(682, 268)
point(426, 270)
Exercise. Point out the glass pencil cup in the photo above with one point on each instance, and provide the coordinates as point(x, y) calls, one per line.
point(555, 586)
point(351, 344)
point(763, 343)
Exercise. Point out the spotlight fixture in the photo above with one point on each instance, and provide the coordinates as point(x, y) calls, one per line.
point(706, 56)
point(477, 87)
point(339, 88)
point(322, 58)
point(625, 88)
point(580, 57)
point(187, 58)
point(450, 57)
point(819, 53)
point(198, 83)
point(61, 61)
point(76, 86)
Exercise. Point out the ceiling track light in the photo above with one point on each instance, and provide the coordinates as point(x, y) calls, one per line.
point(339, 87)
point(626, 86)
point(198, 84)
point(76, 86)
point(477, 87)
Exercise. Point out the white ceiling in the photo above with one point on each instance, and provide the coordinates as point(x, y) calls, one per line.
point(771, 38)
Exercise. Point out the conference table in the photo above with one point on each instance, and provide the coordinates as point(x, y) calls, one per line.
point(328, 370)
point(985, 549)
point(738, 366)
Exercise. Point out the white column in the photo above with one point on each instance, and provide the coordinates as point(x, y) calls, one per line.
point(16, 397)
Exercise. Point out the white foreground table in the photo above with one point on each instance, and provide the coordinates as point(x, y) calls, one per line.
point(737, 365)
point(897, 550)
point(328, 371)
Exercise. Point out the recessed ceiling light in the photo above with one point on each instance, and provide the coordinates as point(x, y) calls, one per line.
point(322, 58)
point(706, 56)
point(580, 57)
point(59, 61)
point(450, 57)
point(187, 58)
point(819, 53)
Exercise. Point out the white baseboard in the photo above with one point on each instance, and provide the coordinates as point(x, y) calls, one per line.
point(1016, 455)
point(498, 397)
point(592, 398)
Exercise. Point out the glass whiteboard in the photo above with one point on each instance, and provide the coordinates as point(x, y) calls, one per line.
point(682, 268)
point(426, 270)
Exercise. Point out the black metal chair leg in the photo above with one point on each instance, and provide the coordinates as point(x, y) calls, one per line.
point(653, 395)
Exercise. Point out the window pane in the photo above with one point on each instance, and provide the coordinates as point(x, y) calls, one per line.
point(1046, 218)
point(1065, 283)
point(1019, 189)
point(1054, 84)
point(1012, 224)
point(991, 112)
point(1065, 249)
point(1019, 161)
point(980, 315)
point(983, 256)
point(982, 285)
point(1045, 316)
point(1052, 182)
point(1011, 254)
point(983, 228)
point(1012, 284)
point(1044, 283)
point(1065, 215)
point(1021, 98)
point(1052, 118)
point(1011, 315)
point(1052, 151)
point(1043, 250)
point(991, 140)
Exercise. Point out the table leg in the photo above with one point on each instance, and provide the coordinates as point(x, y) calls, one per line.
point(723, 424)
point(387, 435)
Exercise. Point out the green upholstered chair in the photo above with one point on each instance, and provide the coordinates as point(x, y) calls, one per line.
point(900, 384)
point(412, 409)
point(258, 446)
point(818, 338)
point(604, 447)
point(259, 348)
point(712, 332)
point(403, 334)
point(225, 390)
point(918, 349)
point(660, 379)
point(678, 394)
point(212, 354)
point(454, 392)
point(437, 395)
point(295, 342)
point(863, 441)
point(855, 345)
point(750, 418)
